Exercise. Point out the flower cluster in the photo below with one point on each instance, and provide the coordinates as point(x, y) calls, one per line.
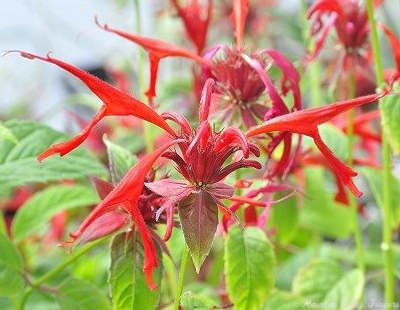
point(250, 103)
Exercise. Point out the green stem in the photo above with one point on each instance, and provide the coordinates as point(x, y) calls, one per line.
point(181, 279)
point(141, 74)
point(387, 244)
point(314, 66)
point(53, 272)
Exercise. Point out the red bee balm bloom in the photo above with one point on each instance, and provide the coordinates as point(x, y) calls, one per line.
point(201, 161)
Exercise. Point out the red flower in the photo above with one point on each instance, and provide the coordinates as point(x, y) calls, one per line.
point(115, 103)
point(196, 18)
point(305, 122)
point(157, 49)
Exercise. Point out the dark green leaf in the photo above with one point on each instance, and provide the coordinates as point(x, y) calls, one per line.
point(319, 212)
point(315, 280)
point(249, 266)
point(390, 113)
point(199, 219)
point(38, 210)
point(120, 160)
point(128, 285)
point(75, 294)
point(18, 163)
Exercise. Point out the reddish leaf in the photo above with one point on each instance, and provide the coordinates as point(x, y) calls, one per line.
point(199, 219)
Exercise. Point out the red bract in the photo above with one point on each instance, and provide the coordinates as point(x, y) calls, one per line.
point(196, 18)
point(120, 207)
point(305, 122)
point(115, 103)
point(157, 49)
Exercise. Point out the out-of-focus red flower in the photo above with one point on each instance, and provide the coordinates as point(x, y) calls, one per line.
point(196, 19)
point(157, 50)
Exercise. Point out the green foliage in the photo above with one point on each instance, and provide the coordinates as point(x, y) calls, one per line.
point(11, 267)
point(40, 208)
point(390, 111)
point(320, 213)
point(78, 294)
point(18, 163)
point(128, 286)
point(250, 267)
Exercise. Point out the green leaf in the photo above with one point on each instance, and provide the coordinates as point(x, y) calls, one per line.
point(11, 266)
point(198, 214)
point(375, 180)
point(128, 285)
point(335, 139)
point(284, 218)
point(319, 212)
point(390, 113)
point(189, 300)
point(249, 266)
point(18, 163)
point(316, 279)
point(40, 208)
point(120, 160)
point(347, 292)
point(75, 294)
point(281, 300)
point(7, 134)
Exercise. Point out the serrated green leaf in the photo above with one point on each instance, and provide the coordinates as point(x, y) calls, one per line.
point(390, 113)
point(316, 279)
point(347, 292)
point(128, 285)
point(75, 294)
point(7, 134)
point(11, 266)
point(198, 214)
point(120, 160)
point(281, 300)
point(284, 219)
point(35, 213)
point(18, 163)
point(375, 180)
point(250, 267)
point(319, 212)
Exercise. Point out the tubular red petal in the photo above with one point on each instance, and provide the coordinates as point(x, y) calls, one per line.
point(150, 254)
point(306, 121)
point(67, 146)
point(178, 119)
point(159, 48)
point(201, 138)
point(240, 11)
point(232, 136)
point(129, 189)
point(394, 43)
point(205, 100)
point(115, 103)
